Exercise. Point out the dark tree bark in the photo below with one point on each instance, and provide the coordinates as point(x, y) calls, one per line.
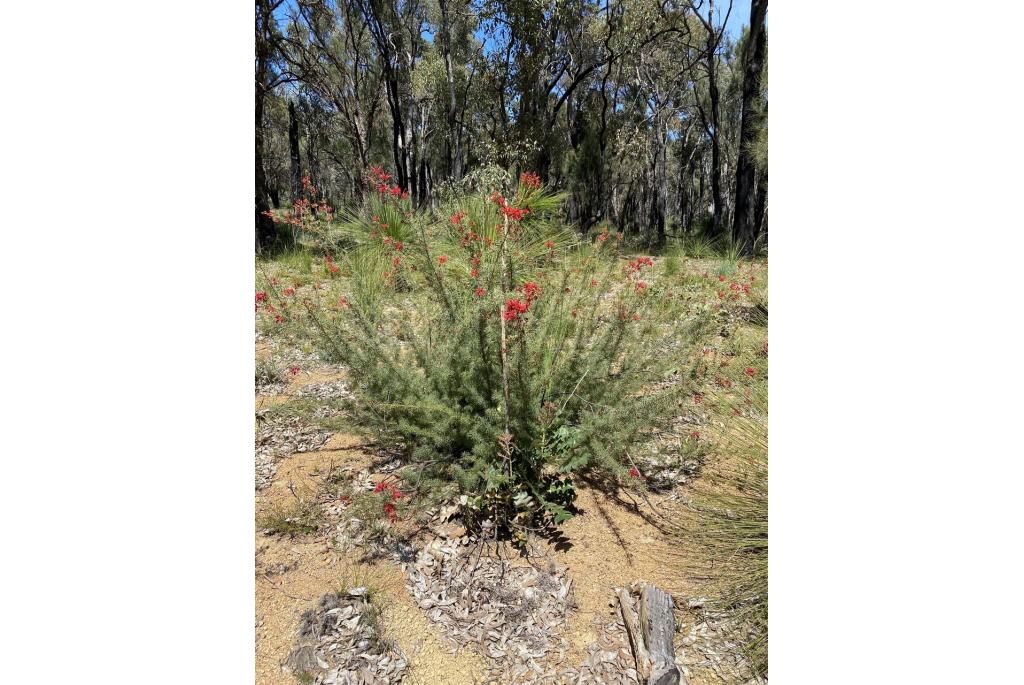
point(293, 151)
point(660, 194)
point(746, 218)
point(761, 213)
point(264, 224)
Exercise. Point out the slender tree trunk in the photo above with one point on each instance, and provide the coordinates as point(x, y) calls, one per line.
point(453, 149)
point(264, 224)
point(293, 150)
point(761, 212)
point(717, 199)
point(713, 128)
point(745, 220)
point(660, 194)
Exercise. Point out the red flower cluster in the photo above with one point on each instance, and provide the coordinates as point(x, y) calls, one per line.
point(391, 488)
point(749, 371)
point(514, 213)
point(514, 307)
point(634, 472)
point(331, 265)
point(442, 260)
point(479, 292)
point(394, 493)
point(635, 265)
point(531, 291)
point(261, 296)
point(549, 245)
point(378, 178)
point(288, 292)
point(457, 218)
point(294, 370)
point(529, 179)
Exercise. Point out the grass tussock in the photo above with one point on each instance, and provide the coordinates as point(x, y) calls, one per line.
point(298, 516)
point(723, 535)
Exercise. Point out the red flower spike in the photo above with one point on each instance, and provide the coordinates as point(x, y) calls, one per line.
point(529, 179)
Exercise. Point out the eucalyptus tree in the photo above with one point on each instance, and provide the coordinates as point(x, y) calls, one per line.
point(637, 108)
point(267, 78)
point(745, 218)
point(712, 118)
point(328, 49)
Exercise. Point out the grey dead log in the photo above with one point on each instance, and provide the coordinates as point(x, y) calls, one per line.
point(636, 638)
point(650, 634)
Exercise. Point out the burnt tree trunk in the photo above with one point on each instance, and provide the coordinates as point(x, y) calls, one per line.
point(746, 218)
point(264, 224)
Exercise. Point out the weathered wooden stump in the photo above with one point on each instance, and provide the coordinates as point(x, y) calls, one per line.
point(650, 630)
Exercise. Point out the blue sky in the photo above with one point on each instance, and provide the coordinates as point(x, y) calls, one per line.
point(738, 18)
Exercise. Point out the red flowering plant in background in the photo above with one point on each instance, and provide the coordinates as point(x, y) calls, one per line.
point(307, 215)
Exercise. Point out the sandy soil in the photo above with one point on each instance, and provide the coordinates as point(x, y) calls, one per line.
point(293, 573)
point(608, 545)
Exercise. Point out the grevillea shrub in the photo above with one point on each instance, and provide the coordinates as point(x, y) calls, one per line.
point(502, 352)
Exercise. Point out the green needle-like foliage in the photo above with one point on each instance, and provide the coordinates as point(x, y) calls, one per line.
point(590, 358)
